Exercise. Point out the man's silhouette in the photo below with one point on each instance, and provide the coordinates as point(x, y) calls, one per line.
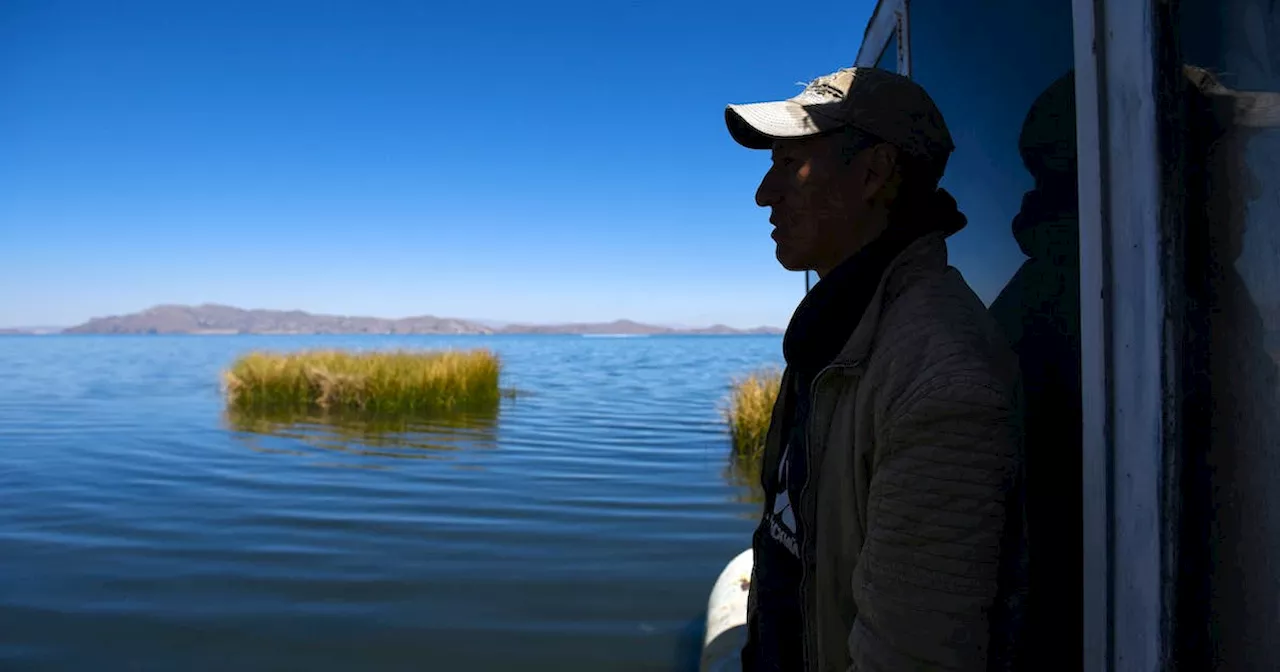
point(1228, 585)
point(1039, 311)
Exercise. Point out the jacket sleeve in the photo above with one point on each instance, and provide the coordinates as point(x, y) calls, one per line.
point(927, 577)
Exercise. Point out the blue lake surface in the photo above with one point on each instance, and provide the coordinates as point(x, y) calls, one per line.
point(581, 528)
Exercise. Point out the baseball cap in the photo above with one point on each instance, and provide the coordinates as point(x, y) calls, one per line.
point(877, 102)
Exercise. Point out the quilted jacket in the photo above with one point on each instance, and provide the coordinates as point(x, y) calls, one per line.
point(917, 560)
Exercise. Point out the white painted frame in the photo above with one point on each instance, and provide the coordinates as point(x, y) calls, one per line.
point(1095, 436)
point(890, 19)
point(1127, 350)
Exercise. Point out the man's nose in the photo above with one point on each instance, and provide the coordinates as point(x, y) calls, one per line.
point(767, 194)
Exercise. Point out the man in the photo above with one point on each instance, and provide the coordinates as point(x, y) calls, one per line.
point(891, 537)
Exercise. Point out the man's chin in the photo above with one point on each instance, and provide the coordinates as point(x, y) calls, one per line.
point(789, 260)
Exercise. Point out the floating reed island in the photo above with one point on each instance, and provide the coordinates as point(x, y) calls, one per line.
point(400, 382)
point(751, 400)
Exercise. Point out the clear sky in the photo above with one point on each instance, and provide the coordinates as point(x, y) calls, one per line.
point(543, 161)
point(540, 161)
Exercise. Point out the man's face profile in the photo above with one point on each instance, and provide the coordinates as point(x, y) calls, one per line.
point(819, 191)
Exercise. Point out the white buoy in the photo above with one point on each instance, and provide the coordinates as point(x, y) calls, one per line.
point(727, 617)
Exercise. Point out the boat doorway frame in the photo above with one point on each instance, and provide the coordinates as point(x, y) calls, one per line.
point(1129, 327)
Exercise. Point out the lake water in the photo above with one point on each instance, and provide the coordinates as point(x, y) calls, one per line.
point(581, 528)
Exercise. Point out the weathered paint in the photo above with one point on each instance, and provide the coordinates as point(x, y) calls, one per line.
point(1096, 467)
point(1124, 302)
point(888, 20)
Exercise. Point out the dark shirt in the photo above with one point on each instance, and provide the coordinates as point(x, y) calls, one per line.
point(819, 329)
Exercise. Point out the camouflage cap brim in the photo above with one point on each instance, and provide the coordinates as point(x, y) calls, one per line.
point(757, 125)
point(880, 103)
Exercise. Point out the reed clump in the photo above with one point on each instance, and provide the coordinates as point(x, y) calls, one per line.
point(383, 382)
point(751, 400)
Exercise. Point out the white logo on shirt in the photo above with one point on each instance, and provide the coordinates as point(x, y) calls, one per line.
point(782, 524)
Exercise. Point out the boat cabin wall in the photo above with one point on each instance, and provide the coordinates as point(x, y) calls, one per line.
point(1119, 165)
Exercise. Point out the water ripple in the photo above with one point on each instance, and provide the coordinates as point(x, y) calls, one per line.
point(580, 527)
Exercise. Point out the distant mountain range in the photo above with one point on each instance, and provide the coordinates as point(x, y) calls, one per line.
point(219, 319)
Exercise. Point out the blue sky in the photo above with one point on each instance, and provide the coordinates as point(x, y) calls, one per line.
point(527, 161)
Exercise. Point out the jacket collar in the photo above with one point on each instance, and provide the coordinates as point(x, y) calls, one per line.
point(829, 313)
point(925, 254)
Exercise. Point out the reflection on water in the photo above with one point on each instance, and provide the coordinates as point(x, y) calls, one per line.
point(582, 533)
point(744, 472)
point(419, 436)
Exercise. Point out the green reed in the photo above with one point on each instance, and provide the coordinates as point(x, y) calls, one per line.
point(751, 400)
point(394, 382)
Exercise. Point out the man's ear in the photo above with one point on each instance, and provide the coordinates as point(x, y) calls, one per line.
point(882, 163)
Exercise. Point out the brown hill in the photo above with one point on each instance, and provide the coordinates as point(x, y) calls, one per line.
point(220, 319)
point(215, 319)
